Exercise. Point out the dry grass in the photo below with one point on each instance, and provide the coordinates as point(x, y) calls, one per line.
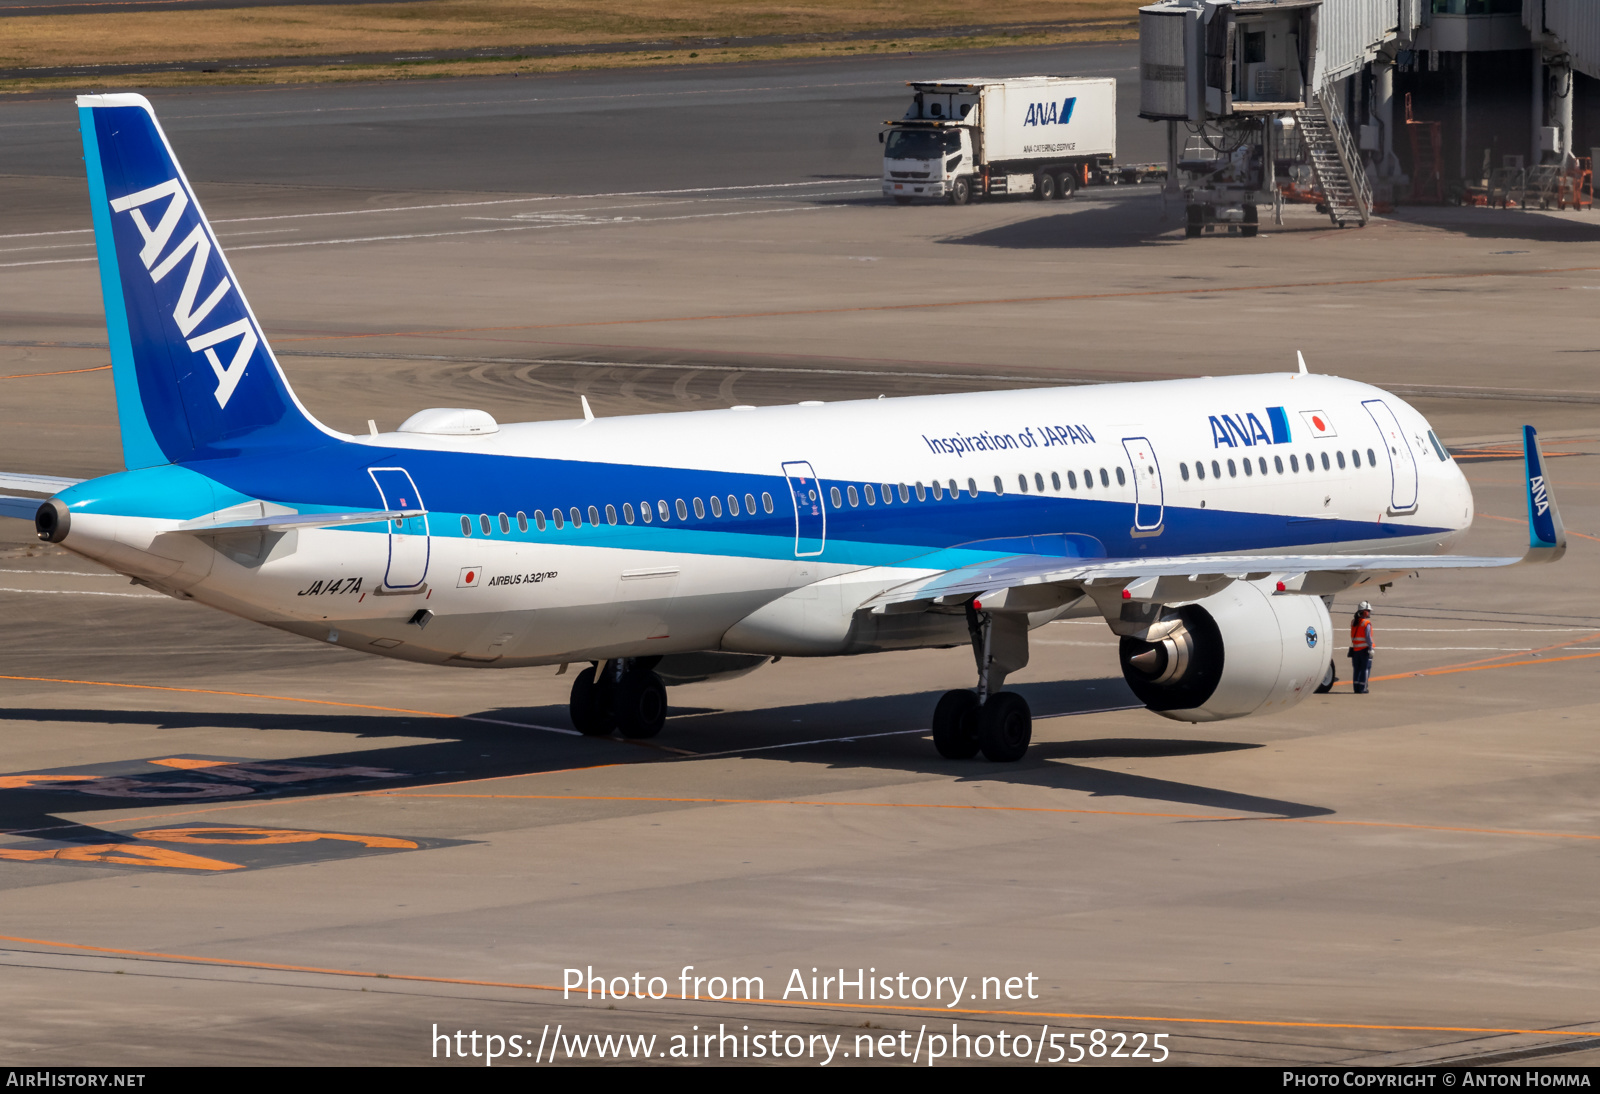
point(46, 41)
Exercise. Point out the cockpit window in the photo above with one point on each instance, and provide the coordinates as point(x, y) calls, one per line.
point(1439, 448)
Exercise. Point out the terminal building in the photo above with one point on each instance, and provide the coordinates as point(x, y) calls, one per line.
point(1364, 103)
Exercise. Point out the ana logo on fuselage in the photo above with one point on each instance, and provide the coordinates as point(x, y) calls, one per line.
point(1247, 431)
point(186, 313)
point(1049, 113)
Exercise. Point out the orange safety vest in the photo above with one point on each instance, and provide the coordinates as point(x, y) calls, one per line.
point(1361, 635)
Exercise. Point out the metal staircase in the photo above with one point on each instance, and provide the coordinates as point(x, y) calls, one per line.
point(1335, 160)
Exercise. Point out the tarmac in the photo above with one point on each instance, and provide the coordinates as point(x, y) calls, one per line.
point(221, 845)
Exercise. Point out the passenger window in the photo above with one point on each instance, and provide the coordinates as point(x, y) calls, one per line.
point(972, 488)
point(716, 506)
point(1263, 465)
point(922, 492)
point(1038, 481)
point(577, 517)
point(872, 495)
point(1055, 481)
point(1088, 479)
point(1325, 466)
point(611, 514)
point(1216, 470)
point(683, 510)
point(522, 522)
point(938, 491)
point(466, 526)
point(905, 494)
point(999, 487)
point(627, 511)
point(1200, 469)
point(647, 511)
point(750, 504)
point(505, 525)
point(538, 519)
point(855, 498)
point(560, 522)
point(1072, 480)
point(1355, 457)
point(1294, 463)
point(1105, 480)
point(1022, 483)
point(954, 490)
point(483, 522)
point(661, 507)
point(1277, 461)
point(1122, 480)
point(838, 502)
point(1372, 459)
point(766, 502)
point(1233, 472)
point(594, 516)
point(1248, 469)
point(1340, 454)
point(1311, 462)
point(733, 505)
point(1183, 470)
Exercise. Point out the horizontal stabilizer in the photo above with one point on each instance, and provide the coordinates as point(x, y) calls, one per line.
point(44, 484)
point(287, 521)
point(21, 508)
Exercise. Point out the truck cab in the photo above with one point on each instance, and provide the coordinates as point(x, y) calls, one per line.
point(926, 160)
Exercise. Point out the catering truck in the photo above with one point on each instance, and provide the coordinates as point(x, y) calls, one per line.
point(961, 140)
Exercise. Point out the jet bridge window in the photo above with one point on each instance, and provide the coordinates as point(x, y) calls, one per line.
point(466, 526)
point(483, 522)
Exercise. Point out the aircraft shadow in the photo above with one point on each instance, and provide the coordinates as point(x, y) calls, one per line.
point(1099, 226)
point(1510, 224)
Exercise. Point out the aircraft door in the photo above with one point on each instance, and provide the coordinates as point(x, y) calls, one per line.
point(1149, 498)
point(1402, 461)
point(408, 539)
point(810, 518)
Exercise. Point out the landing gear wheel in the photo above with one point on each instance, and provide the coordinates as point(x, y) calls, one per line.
point(900, 199)
point(1329, 678)
point(961, 191)
point(1044, 188)
point(640, 705)
point(1005, 726)
point(589, 706)
point(1066, 185)
point(955, 725)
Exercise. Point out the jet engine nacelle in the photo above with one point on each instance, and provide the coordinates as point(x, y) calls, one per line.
point(1240, 651)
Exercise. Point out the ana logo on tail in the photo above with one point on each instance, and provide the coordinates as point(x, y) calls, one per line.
point(186, 313)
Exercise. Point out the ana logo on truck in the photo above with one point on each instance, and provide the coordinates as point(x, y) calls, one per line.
point(1048, 114)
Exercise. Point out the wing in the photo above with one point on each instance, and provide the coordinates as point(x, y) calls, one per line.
point(1005, 582)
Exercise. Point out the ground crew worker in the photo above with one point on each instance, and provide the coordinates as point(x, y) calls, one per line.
point(1361, 646)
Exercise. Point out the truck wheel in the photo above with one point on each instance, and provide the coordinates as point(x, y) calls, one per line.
point(1044, 187)
point(1066, 185)
point(961, 191)
point(1251, 223)
point(1196, 222)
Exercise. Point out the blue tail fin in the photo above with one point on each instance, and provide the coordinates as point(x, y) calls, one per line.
point(195, 378)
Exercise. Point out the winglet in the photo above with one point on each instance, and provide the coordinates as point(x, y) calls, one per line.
point(588, 415)
point(1302, 359)
point(1547, 539)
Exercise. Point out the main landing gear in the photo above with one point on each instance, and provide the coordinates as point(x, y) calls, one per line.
point(998, 724)
point(622, 694)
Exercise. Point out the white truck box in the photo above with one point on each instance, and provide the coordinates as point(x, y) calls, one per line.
point(994, 136)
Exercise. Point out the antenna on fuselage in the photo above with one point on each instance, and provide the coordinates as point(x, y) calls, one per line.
point(1302, 359)
point(588, 415)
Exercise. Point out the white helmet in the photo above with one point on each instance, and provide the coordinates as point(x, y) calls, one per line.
point(1363, 607)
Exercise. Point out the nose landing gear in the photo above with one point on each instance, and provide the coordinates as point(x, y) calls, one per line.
point(998, 724)
point(622, 695)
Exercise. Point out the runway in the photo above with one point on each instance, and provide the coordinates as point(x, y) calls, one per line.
point(225, 845)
